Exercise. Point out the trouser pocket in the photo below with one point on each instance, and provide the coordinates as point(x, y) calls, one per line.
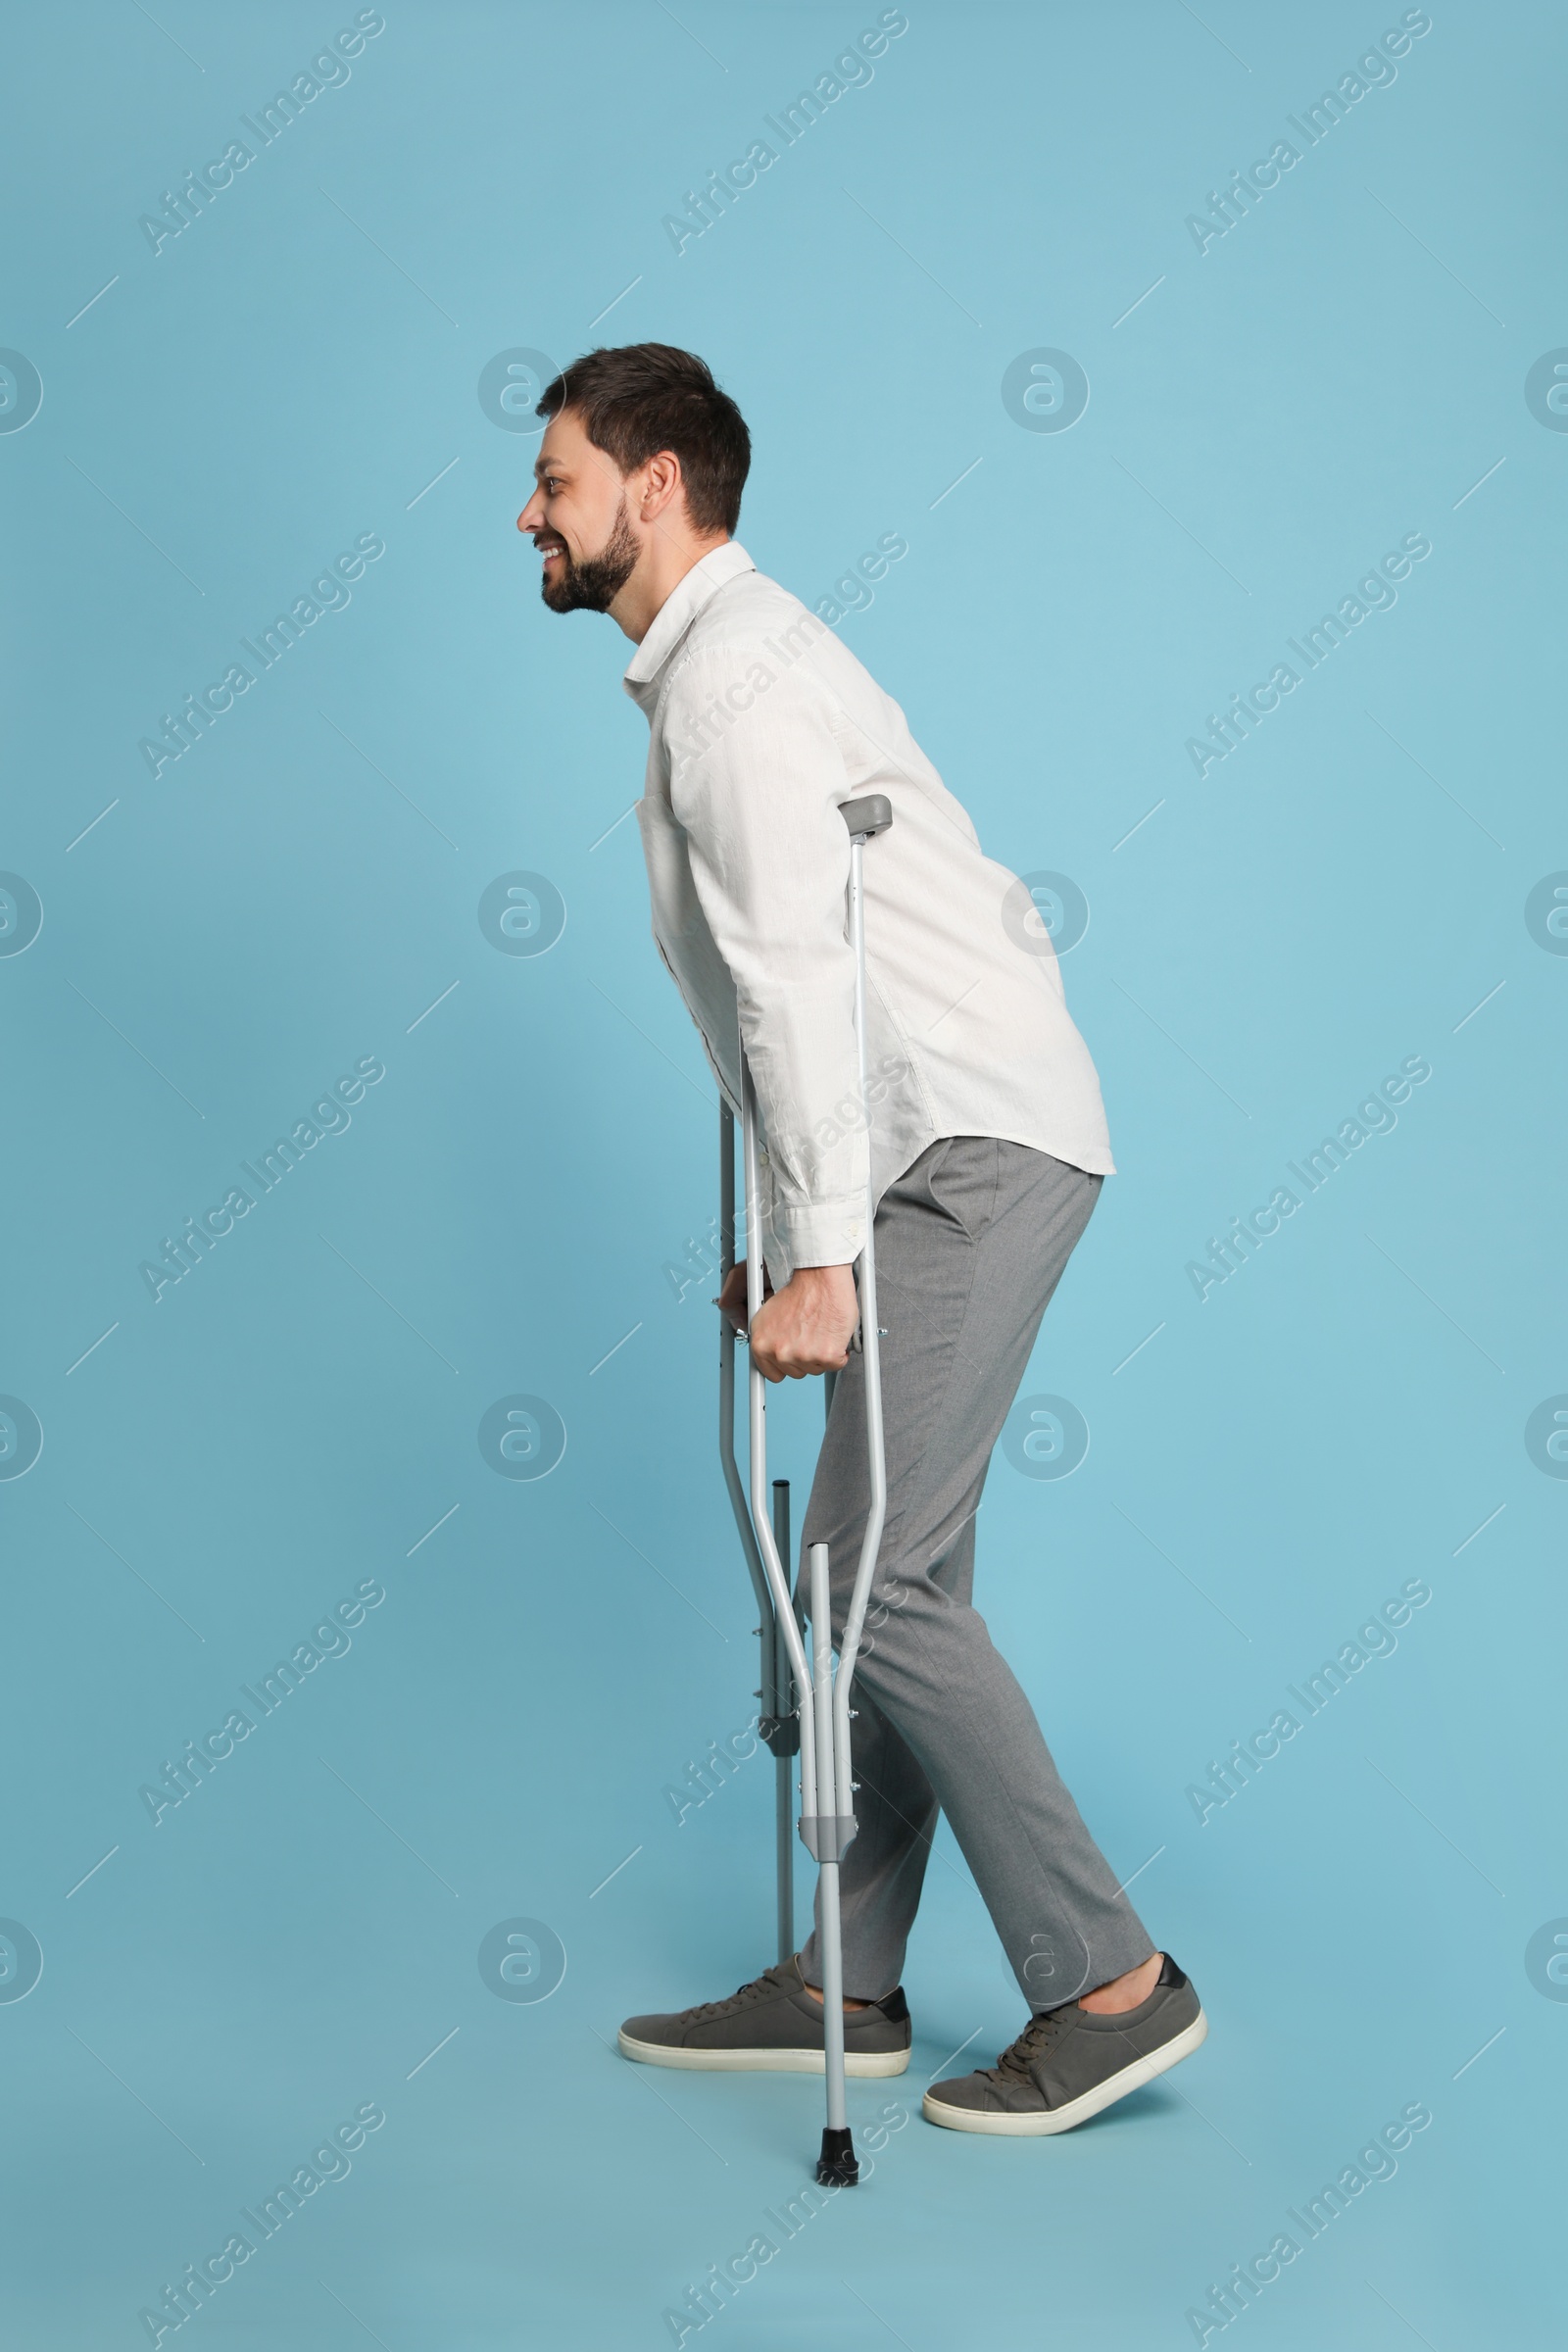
point(961, 1174)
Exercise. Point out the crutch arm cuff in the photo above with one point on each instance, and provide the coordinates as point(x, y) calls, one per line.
point(871, 812)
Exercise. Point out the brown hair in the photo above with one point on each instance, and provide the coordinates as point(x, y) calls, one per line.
point(639, 398)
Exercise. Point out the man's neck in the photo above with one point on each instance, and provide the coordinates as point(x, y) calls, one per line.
point(664, 565)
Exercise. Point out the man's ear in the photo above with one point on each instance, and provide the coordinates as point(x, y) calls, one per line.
point(663, 485)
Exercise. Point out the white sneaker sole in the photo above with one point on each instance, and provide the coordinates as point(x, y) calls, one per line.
point(1077, 2111)
point(860, 2064)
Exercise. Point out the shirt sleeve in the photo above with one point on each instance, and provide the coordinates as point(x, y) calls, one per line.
point(756, 777)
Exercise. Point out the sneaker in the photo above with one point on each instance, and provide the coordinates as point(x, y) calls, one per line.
point(1069, 2062)
point(771, 2025)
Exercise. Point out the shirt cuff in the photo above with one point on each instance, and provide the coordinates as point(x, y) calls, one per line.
point(816, 1232)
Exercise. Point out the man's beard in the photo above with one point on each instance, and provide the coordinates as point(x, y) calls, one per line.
point(592, 585)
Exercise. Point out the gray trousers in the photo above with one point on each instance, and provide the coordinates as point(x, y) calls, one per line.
point(970, 1244)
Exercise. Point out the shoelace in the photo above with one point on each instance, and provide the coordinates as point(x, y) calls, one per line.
point(1032, 2044)
point(771, 1981)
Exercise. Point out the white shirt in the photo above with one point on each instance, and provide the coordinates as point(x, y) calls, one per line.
point(761, 723)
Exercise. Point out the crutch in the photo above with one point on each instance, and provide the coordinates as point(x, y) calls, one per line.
point(821, 1698)
point(777, 1722)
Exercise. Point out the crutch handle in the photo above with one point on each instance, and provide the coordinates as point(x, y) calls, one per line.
point(871, 814)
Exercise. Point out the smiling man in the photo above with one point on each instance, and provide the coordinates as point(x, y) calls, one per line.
point(988, 1151)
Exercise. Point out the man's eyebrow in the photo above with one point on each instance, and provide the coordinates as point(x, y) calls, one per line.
point(544, 466)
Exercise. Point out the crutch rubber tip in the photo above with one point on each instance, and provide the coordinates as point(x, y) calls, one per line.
point(836, 2166)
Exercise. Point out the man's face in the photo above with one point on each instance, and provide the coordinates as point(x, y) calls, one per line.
point(580, 520)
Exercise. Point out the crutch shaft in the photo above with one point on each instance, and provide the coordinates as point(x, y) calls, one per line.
point(830, 1941)
point(781, 1705)
point(726, 1390)
point(773, 1567)
point(871, 1359)
point(837, 2162)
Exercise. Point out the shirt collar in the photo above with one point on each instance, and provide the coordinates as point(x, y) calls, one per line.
point(676, 614)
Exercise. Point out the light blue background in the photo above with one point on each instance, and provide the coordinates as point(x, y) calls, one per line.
point(1343, 891)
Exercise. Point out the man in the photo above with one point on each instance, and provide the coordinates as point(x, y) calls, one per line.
point(987, 1152)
